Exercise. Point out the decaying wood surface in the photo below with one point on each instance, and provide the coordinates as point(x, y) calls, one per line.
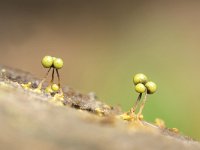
point(29, 120)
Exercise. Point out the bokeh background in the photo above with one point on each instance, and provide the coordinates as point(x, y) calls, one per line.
point(104, 43)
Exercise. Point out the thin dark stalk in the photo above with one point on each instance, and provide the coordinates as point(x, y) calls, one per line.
point(47, 73)
point(142, 105)
point(136, 103)
point(52, 77)
point(40, 84)
point(58, 77)
point(59, 82)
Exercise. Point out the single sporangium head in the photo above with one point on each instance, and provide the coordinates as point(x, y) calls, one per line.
point(151, 87)
point(58, 63)
point(140, 88)
point(55, 87)
point(140, 78)
point(47, 61)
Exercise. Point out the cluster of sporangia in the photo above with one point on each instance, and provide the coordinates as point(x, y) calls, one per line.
point(142, 85)
point(55, 64)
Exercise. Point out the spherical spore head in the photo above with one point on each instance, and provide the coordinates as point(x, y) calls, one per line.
point(58, 63)
point(47, 61)
point(55, 87)
point(140, 88)
point(140, 78)
point(151, 87)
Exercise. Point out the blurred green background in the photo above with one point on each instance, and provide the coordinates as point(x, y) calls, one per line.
point(104, 43)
